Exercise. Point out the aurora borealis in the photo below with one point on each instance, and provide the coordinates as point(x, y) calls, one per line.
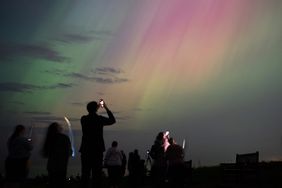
point(207, 70)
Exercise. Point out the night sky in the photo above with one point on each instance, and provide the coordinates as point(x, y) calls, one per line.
point(209, 71)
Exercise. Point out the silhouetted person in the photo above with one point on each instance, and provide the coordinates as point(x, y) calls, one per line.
point(57, 149)
point(113, 162)
point(175, 157)
point(134, 168)
point(92, 145)
point(124, 162)
point(19, 151)
point(157, 153)
point(130, 167)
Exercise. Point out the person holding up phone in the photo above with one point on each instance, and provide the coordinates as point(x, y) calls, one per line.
point(92, 145)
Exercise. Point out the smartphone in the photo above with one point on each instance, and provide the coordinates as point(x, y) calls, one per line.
point(167, 133)
point(101, 103)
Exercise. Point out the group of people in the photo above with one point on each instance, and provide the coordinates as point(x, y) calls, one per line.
point(168, 161)
point(116, 163)
point(57, 149)
point(166, 154)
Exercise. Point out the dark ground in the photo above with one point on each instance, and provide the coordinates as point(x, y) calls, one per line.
point(269, 175)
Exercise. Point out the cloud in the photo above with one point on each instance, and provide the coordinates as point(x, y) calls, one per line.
point(100, 79)
point(110, 80)
point(80, 76)
point(84, 37)
point(17, 87)
point(75, 38)
point(57, 72)
point(37, 113)
point(11, 51)
point(110, 75)
point(104, 75)
point(107, 70)
point(22, 87)
point(58, 86)
point(102, 33)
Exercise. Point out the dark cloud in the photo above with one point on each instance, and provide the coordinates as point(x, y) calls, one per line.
point(57, 72)
point(11, 51)
point(58, 86)
point(102, 33)
point(17, 87)
point(75, 38)
point(22, 87)
point(84, 37)
point(80, 76)
point(102, 80)
point(107, 70)
point(110, 80)
point(37, 113)
point(106, 75)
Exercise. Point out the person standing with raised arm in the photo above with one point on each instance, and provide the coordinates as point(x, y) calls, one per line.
point(157, 153)
point(92, 145)
point(175, 160)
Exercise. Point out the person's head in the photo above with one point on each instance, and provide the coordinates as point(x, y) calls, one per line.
point(114, 144)
point(92, 107)
point(160, 136)
point(18, 131)
point(136, 151)
point(54, 128)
